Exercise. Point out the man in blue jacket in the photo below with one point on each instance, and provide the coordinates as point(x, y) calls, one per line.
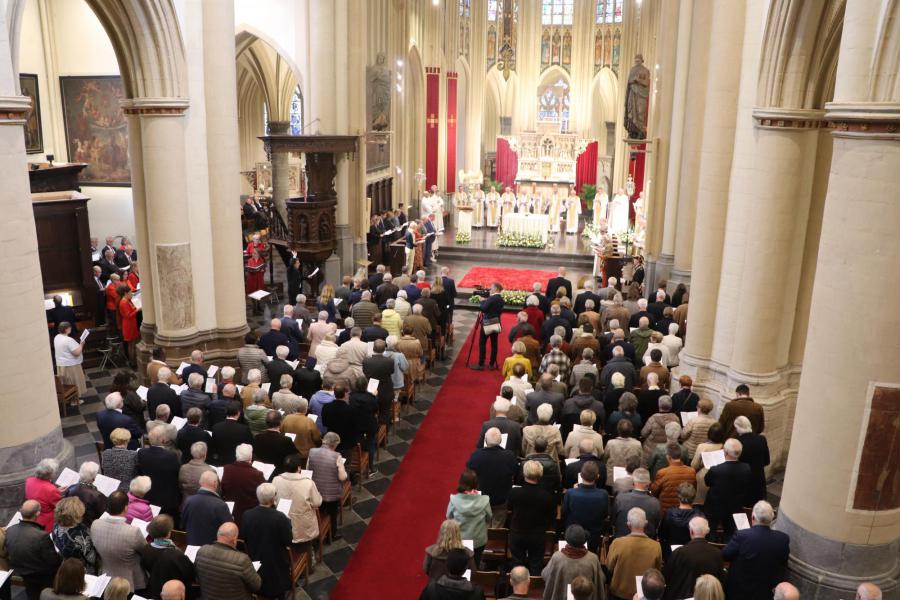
point(758, 557)
point(587, 505)
point(112, 418)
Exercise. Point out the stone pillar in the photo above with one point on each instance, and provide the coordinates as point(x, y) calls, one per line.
point(721, 99)
point(30, 427)
point(280, 171)
point(840, 500)
point(223, 156)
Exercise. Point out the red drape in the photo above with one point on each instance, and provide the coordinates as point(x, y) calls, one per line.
point(586, 167)
point(507, 164)
point(636, 162)
point(432, 120)
point(451, 130)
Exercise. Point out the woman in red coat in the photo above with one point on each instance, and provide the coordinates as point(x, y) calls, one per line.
point(256, 244)
point(255, 272)
point(42, 489)
point(128, 321)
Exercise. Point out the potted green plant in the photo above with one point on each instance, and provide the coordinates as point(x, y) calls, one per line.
point(588, 192)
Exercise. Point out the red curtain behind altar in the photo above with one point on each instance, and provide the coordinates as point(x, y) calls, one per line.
point(586, 167)
point(451, 131)
point(507, 164)
point(636, 164)
point(432, 120)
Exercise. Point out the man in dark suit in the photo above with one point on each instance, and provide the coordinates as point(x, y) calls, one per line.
point(386, 291)
point(641, 312)
point(430, 234)
point(658, 305)
point(267, 532)
point(307, 381)
point(339, 417)
point(191, 433)
point(557, 282)
point(59, 314)
point(161, 465)
point(196, 366)
point(374, 331)
point(449, 287)
point(728, 484)
point(638, 497)
point(161, 393)
point(204, 512)
point(491, 309)
point(290, 326)
point(273, 338)
point(380, 367)
point(506, 425)
point(758, 557)
point(587, 294)
point(108, 264)
point(687, 563)
point(227, 435)
point(756, 454)
point(586, 455)
point(543, 394)
point(99, 287)
point(272, 446)
point(553, 321)
point(31, 551)
point(112, 418)
point(278, 366)
point(495, 466)
point(376, 278)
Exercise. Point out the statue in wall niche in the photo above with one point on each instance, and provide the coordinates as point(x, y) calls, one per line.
point(378, 90)
point(636, 97)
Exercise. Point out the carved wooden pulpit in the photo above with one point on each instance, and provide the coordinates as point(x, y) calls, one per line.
point(310, 229)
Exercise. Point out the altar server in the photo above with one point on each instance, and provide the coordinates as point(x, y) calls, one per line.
point(492, 208)
point(573, 210)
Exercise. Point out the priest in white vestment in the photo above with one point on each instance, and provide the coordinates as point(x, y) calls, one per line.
point(618, 213)
point(507, 203)
point(554, 209)
point(573, 211)
point(438, 203)
point(492, 208)
point(426, 205)
point(601, 203)
point(477, 200)
point(463, 211)
point(524, 203)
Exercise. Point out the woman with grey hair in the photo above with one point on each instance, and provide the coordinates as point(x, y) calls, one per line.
point(85, 490)
point(329, 474)
point(255, 414)
point(284, 399)
point(69, 356)
point(41, 488)
point(401, 365)
point(654, 430)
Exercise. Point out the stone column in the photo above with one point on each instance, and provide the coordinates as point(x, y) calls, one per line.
point(721, 99)
point(223, 156)
point(30, 426)
point(280, 170)
point(840, 500)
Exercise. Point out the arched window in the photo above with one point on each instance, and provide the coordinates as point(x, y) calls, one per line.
point(557, 12)
point(553, 103)
point(465, 6)
point(609, 11)
point(493, 7)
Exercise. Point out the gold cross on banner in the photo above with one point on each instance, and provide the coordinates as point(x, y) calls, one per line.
point(432, 120)
point(451, 121)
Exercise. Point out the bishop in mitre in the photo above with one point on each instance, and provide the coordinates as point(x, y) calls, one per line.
point(477, 200)
point(554, 209)
point(492, 208)
point(573, 211)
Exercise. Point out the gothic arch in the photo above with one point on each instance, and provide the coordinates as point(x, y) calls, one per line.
point(799, 53)
point(262, 62)
point(462, 110)
point(146, 37)
point(414, 119)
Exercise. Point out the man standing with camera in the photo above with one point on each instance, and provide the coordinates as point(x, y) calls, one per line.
point(491, 309)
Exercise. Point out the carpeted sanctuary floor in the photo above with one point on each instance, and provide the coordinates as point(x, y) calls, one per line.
point(511, 279)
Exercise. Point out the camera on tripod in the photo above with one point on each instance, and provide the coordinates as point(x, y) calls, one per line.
point(481, 291)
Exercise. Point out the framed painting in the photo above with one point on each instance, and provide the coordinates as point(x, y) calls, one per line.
point(96, 129)
point(34, 136)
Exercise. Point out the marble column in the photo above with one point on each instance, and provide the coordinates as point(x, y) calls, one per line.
point(29, 419)
point(721, 99)
point(223, 155)
point(840, 499)
point(280, 170)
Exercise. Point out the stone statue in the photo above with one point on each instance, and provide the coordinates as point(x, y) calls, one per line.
point(636, 99)
point(378, 90)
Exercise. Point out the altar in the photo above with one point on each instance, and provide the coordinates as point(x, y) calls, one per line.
point(527, 224)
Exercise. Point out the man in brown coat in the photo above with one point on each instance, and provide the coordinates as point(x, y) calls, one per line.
point(617, 311)
point(430, 308)
point(306, 434)
point(223, 572)
point(665, 487)
point(681, 315)
point(585, 340)
point(420, 326)
point(743, 405)
point(655, 366)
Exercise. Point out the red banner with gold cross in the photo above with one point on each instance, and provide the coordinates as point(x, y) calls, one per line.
point(451, 131)
point(432, 120)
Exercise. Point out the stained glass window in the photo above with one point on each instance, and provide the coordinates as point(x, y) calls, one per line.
point(493, 7)
point(465, 7)
point(557, 12)
point(296, 112)
point(553, 103)
point(608, 11)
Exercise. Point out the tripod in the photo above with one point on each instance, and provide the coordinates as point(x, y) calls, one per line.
point(472, 342)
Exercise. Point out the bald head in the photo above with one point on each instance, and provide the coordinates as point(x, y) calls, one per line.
point(30, 510)
point(868, 591)
point(786, 591)
point(276, 324)
point(172, 590)
point(227, 534)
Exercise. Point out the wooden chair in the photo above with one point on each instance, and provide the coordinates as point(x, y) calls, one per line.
point(179, 538)
point(497, 547)
point(551, 544)
point(98, 446)
point(536, 588)
point(299, 565)
point(359, 463)
point(346, 500)
point(487, 581)
point(324, 531)
point(65, 394)
point(380, 439)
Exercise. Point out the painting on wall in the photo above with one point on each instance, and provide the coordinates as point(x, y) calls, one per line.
point(96, 129)
point(264, 177)
point(34, 137)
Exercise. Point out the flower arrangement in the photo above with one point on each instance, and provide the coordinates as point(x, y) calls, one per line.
point(520, 240)
point(463, 237)
point(510, 297)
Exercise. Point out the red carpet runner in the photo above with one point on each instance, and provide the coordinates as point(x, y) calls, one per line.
point(511, 279)
point(388, 561)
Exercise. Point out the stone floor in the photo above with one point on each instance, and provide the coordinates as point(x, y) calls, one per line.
point(80, 428)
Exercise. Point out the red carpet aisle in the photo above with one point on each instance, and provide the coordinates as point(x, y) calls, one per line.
point(388, 561)
point(511, 279)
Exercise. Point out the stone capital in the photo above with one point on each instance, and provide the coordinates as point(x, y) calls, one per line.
point(158, 107)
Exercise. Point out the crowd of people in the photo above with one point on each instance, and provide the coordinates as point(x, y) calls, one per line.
point(594, 474)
